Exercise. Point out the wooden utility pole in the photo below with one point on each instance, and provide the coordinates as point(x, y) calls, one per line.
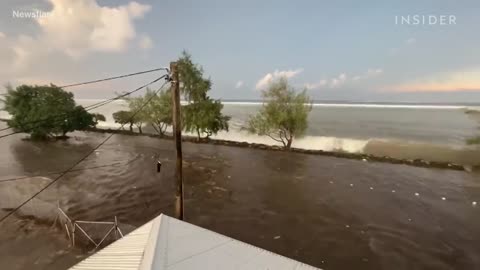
point(177, 135)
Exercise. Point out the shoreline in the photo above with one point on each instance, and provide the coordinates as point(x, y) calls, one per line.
point(357, 156)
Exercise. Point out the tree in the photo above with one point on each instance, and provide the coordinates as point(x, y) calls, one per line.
point(98, 117)
point(202, 114)
point(44, 111)
point(138, 114)
point(123, 118)
point(158, 112)
point(192, 84)
point(79, 119)
point(284, 113)
point(205, 116)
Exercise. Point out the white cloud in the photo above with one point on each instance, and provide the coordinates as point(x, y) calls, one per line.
point(239, 84)
point(338, 81)
point(145, 42)
point(342, 79)
point(78, 27)
point(410, 41)
point(269, 77)
point(317, 85)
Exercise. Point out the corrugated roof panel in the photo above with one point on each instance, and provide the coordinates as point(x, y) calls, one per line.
point(166, 243)
point(124, 254)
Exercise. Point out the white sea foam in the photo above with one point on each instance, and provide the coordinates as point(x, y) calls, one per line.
point(307, 142)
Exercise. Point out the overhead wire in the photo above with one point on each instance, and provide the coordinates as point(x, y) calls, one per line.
point(61, 117)
point(80, 160)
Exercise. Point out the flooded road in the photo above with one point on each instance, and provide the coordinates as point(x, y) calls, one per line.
point(329, 212)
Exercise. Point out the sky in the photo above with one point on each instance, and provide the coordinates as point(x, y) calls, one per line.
point(365, 51)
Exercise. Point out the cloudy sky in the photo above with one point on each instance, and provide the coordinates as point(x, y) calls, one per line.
point(338, 50)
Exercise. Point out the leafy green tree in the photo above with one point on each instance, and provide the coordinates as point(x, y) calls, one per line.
point(202, 114)
point(98, 117)
point(205, 117)
point(137, 111)
point(192, 84)
point(124, 118)
point(44, 111)
point(158, 112)
point(78, 119)
point(284, 113)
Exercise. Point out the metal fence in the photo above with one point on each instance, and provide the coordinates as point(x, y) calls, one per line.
point(95, 232)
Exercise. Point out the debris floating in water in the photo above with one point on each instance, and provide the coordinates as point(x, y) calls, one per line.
point(417, 194)
point(364, 159)
point(393, 190)
point(276, 237)
point(351, 185)
point(347, 226)
point(371, 188)
point(474, 203)
point(409, 219)
point(331, 182)
point(443, 198)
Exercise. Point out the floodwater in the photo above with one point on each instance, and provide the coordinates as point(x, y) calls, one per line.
point(332, 213)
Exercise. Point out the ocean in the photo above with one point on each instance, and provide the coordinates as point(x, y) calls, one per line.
point(411, 131)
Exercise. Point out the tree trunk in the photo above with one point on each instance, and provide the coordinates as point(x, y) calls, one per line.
point(131, 127)
point(157, 129)
point(289, 143)
point(140, 129)
point(198, 134)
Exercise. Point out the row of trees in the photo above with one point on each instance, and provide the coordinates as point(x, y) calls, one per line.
point(49, 111)
point(201, 114)
point(156, 113)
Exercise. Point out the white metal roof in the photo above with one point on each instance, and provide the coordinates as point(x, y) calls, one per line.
point(166, 243)
point(124, 254)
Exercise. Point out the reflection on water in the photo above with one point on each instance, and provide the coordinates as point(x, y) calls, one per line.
point(329, 212)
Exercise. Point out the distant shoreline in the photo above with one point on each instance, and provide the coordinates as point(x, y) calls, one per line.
point(358, 156)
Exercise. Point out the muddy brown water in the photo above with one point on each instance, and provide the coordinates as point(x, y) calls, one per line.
point(332, 213)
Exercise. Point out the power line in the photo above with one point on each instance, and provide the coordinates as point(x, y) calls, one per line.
point(102, 80)
point(80, 160)
point(88, 108)
point(116, 77)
